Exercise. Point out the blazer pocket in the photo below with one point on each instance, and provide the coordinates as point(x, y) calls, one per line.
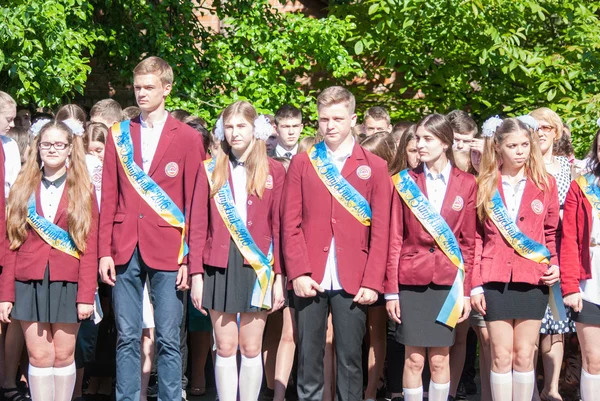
point(163, 223)
point(119, 218)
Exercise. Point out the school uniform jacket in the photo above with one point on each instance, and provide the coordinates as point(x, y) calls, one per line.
point(414, 257)
point(29, 261)
point(538, 218)
point(262, 221)
point(311, 217)
point(575, 263)
point(127, 221)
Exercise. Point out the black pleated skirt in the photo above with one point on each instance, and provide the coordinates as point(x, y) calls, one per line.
point(45, 301)
point(419, 308)
point(508, 301)
point(229, 290)
point(590, 314)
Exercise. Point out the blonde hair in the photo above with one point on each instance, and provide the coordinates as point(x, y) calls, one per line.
point(257, 162)
point(6, 102)
point(107, 109)
point(157, 66)
point(336, 95)
point(94, 132)
point(487, 182)
point(306, 143)
point(79, 189)
point(546, 114)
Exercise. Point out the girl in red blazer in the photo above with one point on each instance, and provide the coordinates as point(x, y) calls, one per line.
point(510, 290)
point(50, 288)
point(580, 270)
point(226, 284)
point(419, 275)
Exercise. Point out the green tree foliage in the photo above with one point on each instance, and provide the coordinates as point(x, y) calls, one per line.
point(486, 56)
point(45, 47)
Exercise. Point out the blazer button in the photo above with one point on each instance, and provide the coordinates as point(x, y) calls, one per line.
point(141, 216)
point(333, 221)
point(249, 202)
point(432, 250)
point(325, 249)
point(521, 218)
point(249, 223)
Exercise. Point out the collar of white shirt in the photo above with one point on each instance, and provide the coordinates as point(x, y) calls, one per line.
point(157, 124)
point(281, 151)
point(520, 185)
point(342, 153)
point(444, 175)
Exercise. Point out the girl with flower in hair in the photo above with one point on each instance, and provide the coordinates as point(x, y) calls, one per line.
point(49, 277)
point(241, 254)
point(517, 204)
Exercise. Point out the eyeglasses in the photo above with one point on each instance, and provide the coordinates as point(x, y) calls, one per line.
point(546, 128)
point(57, 145)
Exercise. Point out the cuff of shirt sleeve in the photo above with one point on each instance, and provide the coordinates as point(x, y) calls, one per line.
point(477, 291)
point(391, 297)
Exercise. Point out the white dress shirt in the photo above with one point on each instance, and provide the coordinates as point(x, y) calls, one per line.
point(512, 199)
point(50, 194)
point(331, 280)
point(280, 151)
point(12, 163)
point(150, 138)
point(590, 289)
point(436, 185)
point(240, 194)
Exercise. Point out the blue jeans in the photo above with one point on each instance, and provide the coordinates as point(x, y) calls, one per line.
point(168, 312)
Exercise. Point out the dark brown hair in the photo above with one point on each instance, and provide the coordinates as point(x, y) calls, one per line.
point(71, 111)
point(400, 161)
point(462, 123)
point(439, 126)
point(381, 144)
point(94, 132)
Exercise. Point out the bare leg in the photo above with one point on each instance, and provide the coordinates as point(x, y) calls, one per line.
point(285, 354)
point(457, 356)
point(376, 326)
point(552, 348)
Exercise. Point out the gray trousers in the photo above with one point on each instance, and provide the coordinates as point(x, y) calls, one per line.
point(349, 328)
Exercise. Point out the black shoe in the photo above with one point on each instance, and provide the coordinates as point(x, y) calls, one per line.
point(450, 398)
point(266, 394)
point(461, 394)
point(15, 395)
point(397, 399)
point(470, 386)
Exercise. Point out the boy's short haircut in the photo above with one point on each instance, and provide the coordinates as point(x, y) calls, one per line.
point(462, 123)
point(157, 66)
point(131, 112)
point(336, 95)
point(378, 113)
point(287, 111)
point(180, 114)
point(107, 109)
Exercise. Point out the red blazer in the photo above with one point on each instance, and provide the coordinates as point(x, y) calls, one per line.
point(262, 221)
point(311, 217)
point(575, 264)
point(414, 257)
point(30, 260)
point(127, 221)
point(499, 261)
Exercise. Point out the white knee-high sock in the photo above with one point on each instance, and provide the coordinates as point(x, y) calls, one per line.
point(523, 385)
point(226, 377)
point(589, 386)
point(41, 383)
point(501, 385)
point(413, 394)
point(438, 392)
point(64, 382)
point(251, 373)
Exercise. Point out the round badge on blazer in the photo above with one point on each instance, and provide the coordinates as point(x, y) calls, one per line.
point(537, 206)
point(363, 172)
point(269, 183)
point(172, 169)
point(458, 203)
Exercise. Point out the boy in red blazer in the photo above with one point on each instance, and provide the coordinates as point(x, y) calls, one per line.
point(152, 186)
point(335, 225)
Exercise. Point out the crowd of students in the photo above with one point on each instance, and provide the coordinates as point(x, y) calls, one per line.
point(139, 233)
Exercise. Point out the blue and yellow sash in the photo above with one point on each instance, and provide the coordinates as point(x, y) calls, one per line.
point(145, 186)
point(338, 186)
point(55, 236)
point(591, 190)
point(435, 225)
point(527, 248)
point(262, 265)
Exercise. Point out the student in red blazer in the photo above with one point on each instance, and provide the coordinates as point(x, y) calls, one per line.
point(135, 242)
point(51, 290)
point(419, 275)
point(332, 260)
point(504, 282)
point(580, 269)
point(226, 282)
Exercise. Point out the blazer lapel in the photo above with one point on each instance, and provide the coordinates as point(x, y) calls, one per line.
point(38, 201)
point(136, 139)
point(530, 193)
point(454, 182)
point(166, 137)
point(419, 177)
point(353, 161)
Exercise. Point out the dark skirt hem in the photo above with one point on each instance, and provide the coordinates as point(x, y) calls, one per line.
point(510, 301)
point(590, 314)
